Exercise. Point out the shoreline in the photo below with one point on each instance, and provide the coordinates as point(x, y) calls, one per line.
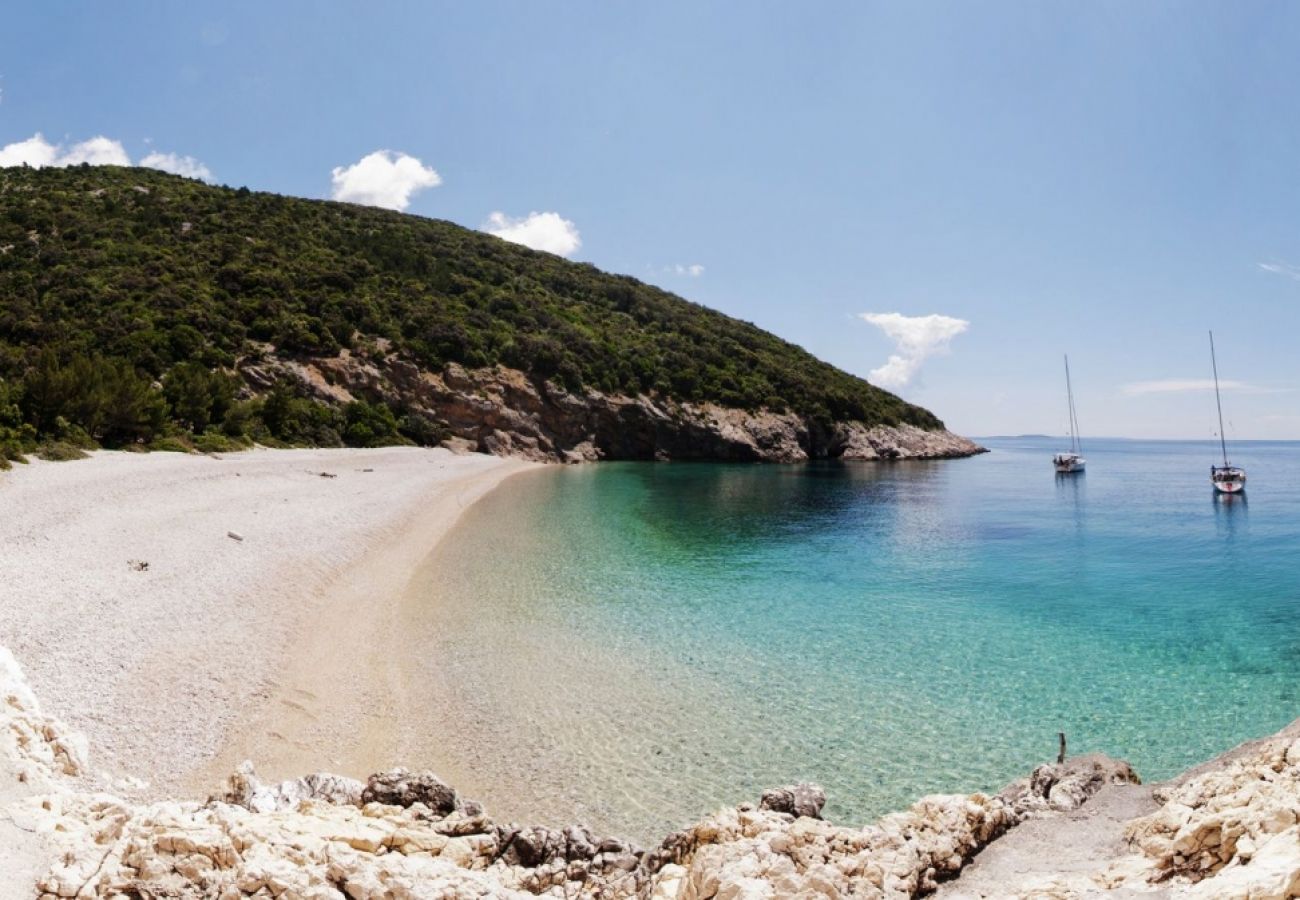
point(188, 658)
point(354, 709)
point(1075, 829)
point(246, 646)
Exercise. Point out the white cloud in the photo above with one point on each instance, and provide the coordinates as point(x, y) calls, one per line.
point(1286, 270)
point(37, 152)
point(542, 231)
point(1187, 385)
point(177, 165)
point(694, 270)
point(383, 178)
point(918, 338)
point(98, 151)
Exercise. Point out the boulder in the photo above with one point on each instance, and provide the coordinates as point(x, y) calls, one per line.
point(795, 800)
point(399, 787)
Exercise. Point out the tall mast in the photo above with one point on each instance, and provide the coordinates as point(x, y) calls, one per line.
point(1076, 445)
point(1223, 442)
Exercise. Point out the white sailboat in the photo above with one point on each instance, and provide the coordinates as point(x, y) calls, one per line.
point(1227, 478)
point(1067, 462)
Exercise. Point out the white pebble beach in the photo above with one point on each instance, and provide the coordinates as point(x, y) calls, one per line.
point(172, 606)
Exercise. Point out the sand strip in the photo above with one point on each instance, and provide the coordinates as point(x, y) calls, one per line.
point(179, 649)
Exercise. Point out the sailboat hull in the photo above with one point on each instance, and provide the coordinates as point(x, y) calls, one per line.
point(1228, 480)
point(1068, 464)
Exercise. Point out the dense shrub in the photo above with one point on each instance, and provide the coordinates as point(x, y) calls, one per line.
point(198, 397)
point(106, 398)
point(369, 425)
point(16, 436)
point(135, 278)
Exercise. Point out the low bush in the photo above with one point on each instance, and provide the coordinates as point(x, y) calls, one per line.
point(170, 444)
point(59, 451)
point(219, 442)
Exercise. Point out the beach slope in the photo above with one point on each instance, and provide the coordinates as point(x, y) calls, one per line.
point(172, 607)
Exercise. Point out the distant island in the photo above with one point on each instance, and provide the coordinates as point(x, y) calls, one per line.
point(141, 309)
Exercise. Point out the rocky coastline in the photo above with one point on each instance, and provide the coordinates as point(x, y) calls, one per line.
point(1227, 829)
point(503, 412)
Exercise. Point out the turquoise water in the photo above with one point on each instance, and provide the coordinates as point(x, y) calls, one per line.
point(661, 639)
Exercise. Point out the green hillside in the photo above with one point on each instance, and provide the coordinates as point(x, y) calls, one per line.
point(127, 295)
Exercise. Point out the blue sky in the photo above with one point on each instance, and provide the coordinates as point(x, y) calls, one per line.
point(1107, 179)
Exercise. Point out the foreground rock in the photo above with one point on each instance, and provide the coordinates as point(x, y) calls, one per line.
point(410, 835)
point(501, 411)
point(1231, 830)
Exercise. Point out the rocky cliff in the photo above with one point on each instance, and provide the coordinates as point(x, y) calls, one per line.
point(502, 411)
point(1228, 830)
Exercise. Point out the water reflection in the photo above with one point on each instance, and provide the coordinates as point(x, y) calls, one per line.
point(747, 504)
point(1069, 485)
point(1230, 513)
point(1070, 491)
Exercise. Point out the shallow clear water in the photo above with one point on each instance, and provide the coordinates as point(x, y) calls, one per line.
point(640, 643)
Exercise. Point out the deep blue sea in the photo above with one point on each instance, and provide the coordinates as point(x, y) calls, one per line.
point(645, 642)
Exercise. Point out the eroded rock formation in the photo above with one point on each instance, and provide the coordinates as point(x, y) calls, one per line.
point(501, 411)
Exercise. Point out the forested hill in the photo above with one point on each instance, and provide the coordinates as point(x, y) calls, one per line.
point(131, 300)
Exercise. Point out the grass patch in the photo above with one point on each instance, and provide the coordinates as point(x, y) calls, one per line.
point(170, 445)
point(216, 442)
point(60, 451)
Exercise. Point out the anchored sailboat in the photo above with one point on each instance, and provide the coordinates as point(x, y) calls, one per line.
point(1072, 460)
point(1227, 478)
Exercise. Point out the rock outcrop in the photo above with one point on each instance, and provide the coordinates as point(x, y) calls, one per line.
point(1233, 830)
point(38, 750)
point(502, 411)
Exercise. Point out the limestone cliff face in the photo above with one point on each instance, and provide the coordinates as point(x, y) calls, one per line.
point(501, 411)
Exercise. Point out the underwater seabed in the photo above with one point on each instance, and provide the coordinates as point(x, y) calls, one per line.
point(663, 639)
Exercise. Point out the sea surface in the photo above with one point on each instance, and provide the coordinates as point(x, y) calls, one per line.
point(634, 645)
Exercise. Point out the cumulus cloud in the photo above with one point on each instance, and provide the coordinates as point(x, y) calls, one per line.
point(917, 337)
point(1286, 270)
point(383, 178)
point(37, 152)
point(540, 230)
point(98, 151)
point(694, 270)
point(177, 165)
point(1186, 385)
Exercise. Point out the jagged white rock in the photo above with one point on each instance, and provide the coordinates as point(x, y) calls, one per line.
point(39, 749)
